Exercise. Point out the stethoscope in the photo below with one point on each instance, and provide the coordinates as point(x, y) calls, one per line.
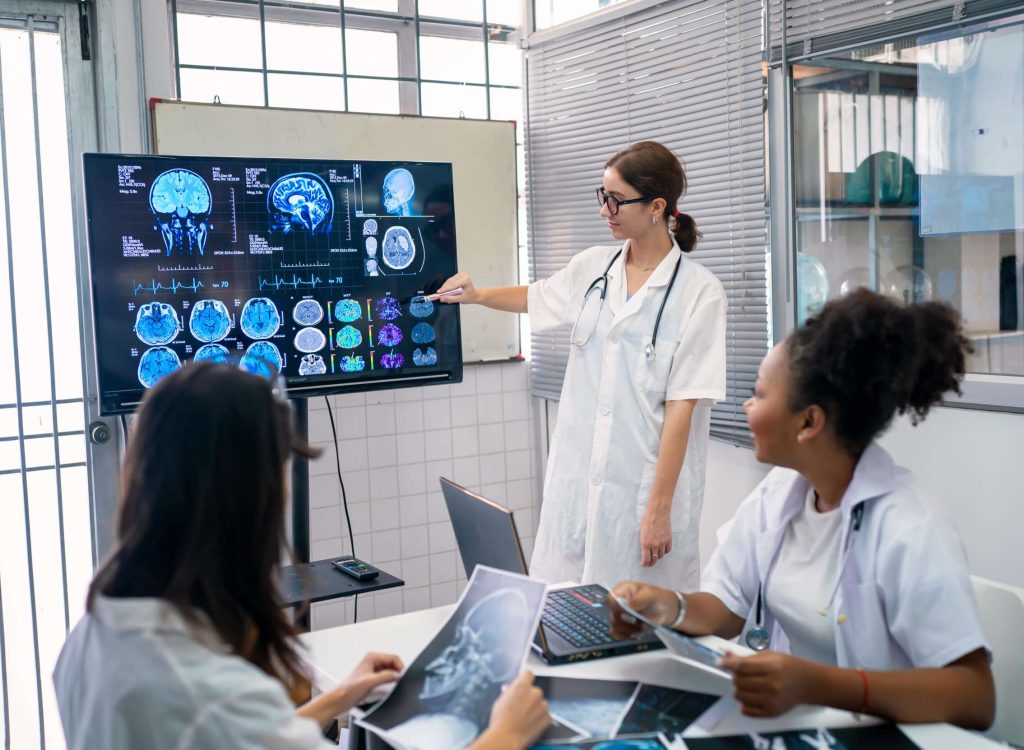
point(600, 286)
point(758, 638)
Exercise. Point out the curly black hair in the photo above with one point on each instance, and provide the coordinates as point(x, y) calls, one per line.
point(864, 358)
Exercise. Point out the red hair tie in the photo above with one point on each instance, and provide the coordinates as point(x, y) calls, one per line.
point(675, 214)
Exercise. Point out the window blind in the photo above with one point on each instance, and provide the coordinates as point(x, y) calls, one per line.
point(687, 74)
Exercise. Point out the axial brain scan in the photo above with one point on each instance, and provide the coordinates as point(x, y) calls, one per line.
point(347, 310)
point(300, 202)
point(399, 249)
point(181, 201)
point(262, 358)
point(387, 308)
point(421, 307)
point(310, 340)
point(389, 335)
point(312, 364)
point(212, 352)
point(396, 195)
point(392, 360)
point(210, 320)
point(349, 337)
point(307, 312)
point(422, 358)
point(155, 363)
point(353, 364)
point(156, 323)
point(423, 333)
point(260, 318)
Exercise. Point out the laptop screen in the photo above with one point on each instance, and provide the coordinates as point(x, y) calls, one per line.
point(485, 532)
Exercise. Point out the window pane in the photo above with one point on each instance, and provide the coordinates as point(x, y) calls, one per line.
point(219, 40)
point(449, 100)
point(445, 59)
point(372, 53)
point(373, 96)
point(550, 12)
point(37, 420)
point(302, 47)
point(232, 87)
point(507, 104)
point(388, 6)
point(69, 417)
point(306, 92)
point(505, 12)
point(505, 63)
point(464, 10)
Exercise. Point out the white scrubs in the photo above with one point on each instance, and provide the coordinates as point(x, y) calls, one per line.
point(903, 595)
point(601, 464)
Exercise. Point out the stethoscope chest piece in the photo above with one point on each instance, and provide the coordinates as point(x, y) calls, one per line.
point(649, 353)
point(757, 638)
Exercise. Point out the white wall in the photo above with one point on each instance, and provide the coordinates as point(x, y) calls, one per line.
point(972, 462)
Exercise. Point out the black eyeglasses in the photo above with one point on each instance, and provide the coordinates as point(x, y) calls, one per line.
point(613, 203)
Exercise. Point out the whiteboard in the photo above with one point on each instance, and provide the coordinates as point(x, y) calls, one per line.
point(482, 154)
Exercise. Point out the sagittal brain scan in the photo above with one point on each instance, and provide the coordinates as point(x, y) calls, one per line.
point(399, 249)
point(155, 363)
point(261, 358)
point(260, 318)
point(307, 312)
point(312, 364)
point(156, 323)
point(300, 202)
point(315, 269)
point(181, 201)
point(210, 320)
point(397, 192)
point(310, 340)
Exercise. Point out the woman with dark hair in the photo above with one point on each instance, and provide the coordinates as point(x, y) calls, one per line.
point(625, 472)
point(185, 643)
point(838, 561)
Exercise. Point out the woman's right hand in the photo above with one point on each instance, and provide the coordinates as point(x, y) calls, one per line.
point(519, 716)
point(658, 605)
point(470, 295)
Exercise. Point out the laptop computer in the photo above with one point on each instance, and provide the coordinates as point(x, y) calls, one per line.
point(574, 623)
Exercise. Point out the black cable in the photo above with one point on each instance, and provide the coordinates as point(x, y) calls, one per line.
point(344, 498)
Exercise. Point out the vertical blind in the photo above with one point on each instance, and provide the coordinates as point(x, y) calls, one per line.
point(687, 74)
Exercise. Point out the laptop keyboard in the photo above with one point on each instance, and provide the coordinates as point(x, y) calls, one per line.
point(577, 615)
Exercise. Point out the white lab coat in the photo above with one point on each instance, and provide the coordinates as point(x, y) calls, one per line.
point(601, 463)
point(904, 596)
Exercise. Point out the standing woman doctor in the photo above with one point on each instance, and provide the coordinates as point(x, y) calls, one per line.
point(625, 472)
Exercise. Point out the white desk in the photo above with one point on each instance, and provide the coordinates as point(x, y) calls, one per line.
point(334, 652)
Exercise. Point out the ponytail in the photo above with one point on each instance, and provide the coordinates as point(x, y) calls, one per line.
point(864, 358)
point(685, 231)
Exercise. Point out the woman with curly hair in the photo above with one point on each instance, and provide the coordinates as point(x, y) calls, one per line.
point(838, 561)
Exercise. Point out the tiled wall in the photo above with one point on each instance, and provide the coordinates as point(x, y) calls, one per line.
point(394, 445)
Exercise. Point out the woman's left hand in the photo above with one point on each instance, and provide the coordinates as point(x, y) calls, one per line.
point(655, 536)
point(770, 684)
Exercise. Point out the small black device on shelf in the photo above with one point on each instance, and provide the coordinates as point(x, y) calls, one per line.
point(356, 568)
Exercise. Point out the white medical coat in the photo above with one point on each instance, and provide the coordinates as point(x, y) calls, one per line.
point(601, 463)
point(904, 596)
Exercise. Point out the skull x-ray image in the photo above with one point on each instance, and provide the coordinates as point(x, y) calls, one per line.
point(397, 192)
point(444, 699)
point(852, 738)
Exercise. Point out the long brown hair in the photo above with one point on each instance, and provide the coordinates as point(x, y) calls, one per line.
point(201, 513)
point(656, 172)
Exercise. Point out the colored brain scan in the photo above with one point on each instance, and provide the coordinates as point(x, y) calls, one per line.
point(389, 335)
point(300, 202)
point(392, 360)
point(307, 312)
point(353, 364)
point(212, 352)
point(156, 323)
point(423, 333)
point(349, 337)
point(424, 358)
point(348, 310)
point(156, 363)
point(310, 340)
point(210, 320)
point(387, 308)
point(421, 307)
point(399, 187)
point(369, 227)
point(399, 249)
point(312, 364)
point(261, 358)
point(260, 318)
point(181, 200)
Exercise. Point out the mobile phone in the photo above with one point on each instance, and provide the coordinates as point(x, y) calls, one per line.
point(356, 568)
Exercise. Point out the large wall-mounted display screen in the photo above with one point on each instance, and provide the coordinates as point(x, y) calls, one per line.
point(316, 269)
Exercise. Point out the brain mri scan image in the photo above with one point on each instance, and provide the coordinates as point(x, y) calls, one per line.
point(369, 227)
point(260, 318)
point(371, 246)
point(423, 333)
point(300, 202)
point(210, 320)
point(392, 361)
point(387, 308)
point(262, 358)
point(424, 358)
point(156, 323)
point(212, 352)
point(389, 335)
point(372, 269)
point(181, 201)
point(396, 195)
point(347, 310)
point(399, 249)
point(312, 364)
point(155, 363)
point(349, 337)
point(352, 364)
point(421, 307)
point(310, 340)
point(307, 312)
